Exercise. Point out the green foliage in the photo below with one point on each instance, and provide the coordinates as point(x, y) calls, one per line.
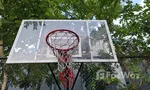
point(147, 78)
point(129, 38)
point(94, 81)
point(128, 87)
point(134, 66)
point(29, 75)
point(133, 34)
point(112, 80)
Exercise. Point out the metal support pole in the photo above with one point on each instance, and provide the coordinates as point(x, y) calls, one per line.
point(54, 76)
point(77, 76)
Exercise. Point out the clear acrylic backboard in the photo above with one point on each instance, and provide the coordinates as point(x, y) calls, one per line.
point(30, 45)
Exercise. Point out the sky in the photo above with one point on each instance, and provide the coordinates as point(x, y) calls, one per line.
point(137, 1)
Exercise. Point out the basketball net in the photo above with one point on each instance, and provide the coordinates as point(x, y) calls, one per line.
point(63, 44)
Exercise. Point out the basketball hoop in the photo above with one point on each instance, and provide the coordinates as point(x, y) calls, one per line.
point(63, 43)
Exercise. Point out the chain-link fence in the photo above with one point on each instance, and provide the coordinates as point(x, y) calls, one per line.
point(128, 74)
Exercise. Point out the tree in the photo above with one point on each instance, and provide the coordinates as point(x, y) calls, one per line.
point(131, 38)
point(13, 12)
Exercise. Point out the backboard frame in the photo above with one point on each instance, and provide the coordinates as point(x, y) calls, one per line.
point(9, 61)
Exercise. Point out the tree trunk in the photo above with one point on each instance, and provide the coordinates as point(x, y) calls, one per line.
point(1, 48)
point(5, 78)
